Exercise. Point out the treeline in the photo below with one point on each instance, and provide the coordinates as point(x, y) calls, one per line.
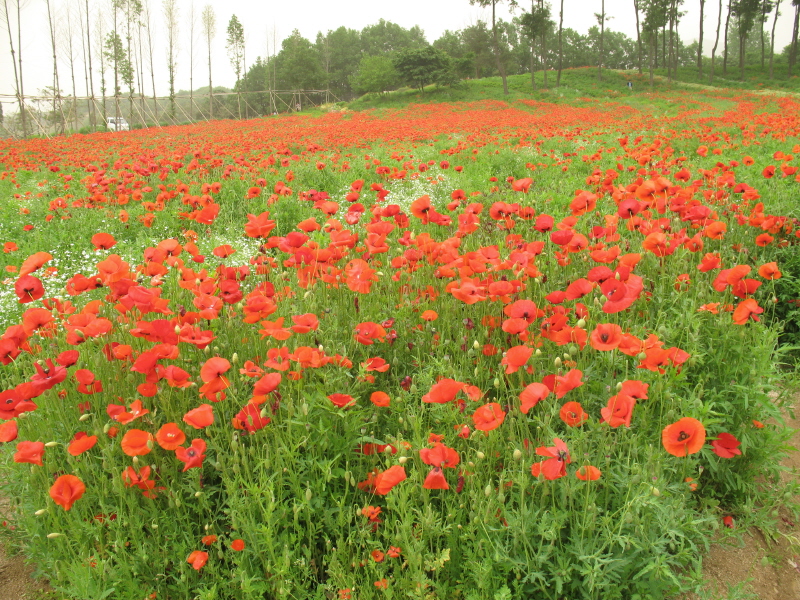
point(114, 45)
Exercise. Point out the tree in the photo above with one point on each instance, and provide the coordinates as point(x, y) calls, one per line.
point(601, 20)
point(170, 8)
point(725, 49)
point(340, 51)
point(209, 20)
point(793, 45)
point(192, 39)
point(535, 25)
point(638, 36)
point(297, 65)
point(386, 37)
point(235, 47)
point(375, 75)
point(495, 42)
point(746, 13)
point(420, 66)
point(477, 42)
point(772, 37)
point(656, 16)
point(115, 52)
point(716, 43)
point(700, 41)
point(560, 47)
point(17, 74)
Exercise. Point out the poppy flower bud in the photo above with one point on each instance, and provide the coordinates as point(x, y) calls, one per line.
point(52, 536)
point(480, 455)
point(51, 444)
point(496, 382)
point(263, 413)
point(135, 460)
point(309, 494)
point(619, 386)
point(177, 330)
point(487, 491)
point(85, 417)
point(616, 275)
point(581, 323)
point(557, 362)
point(566, 355)
point(596, 301)
point(154, 525)
point(307, 294)
point(573, 350)
point(198, 494)
point(207, 349)
point(400, 420)
point(40, 512)
point(538, 352)
point(149, 444)
point(774, 300)
point(476, 374)
point(641, 356)
point(304, 409)
point(517, 454)
point(320, 348)
point(655, 491)
point(235, 358)
point(402, 460)
point(476, 344)
point(106, 427)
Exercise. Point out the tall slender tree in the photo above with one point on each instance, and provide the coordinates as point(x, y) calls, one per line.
point(725, 48)
point(792, 49)
point(56, 84)
point(69, 41)
point(192, 38)
point(17, 75)
point(772, 37)
point(700, 40)
point(235, 47)
point(93, 111)
point(209, 31)
point(601, 20)
point(170, 8)
point(148, 24)
point(638, 36)
point(560, 45)
point(716, 43)
point(747, 12)
point(495, 39)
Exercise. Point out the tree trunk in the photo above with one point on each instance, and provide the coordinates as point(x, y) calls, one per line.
point(653, 44)
point(602, 32)
point(13, 60)
point(716, 43)
point(544, 49)
point(772, 38)
point(638, 35)
point(210, 89)
point(496, 48)
point(725, 51)
point(21, 90)
point(742, 42)
point(93, 111)
point(560, 47)
point(792, 52)
point(57, 123)
point(71, 51)
point(671, 58)
point(700, 42)
point(763, 20)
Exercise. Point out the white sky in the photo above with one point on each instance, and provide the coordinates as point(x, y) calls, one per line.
point(309, 17)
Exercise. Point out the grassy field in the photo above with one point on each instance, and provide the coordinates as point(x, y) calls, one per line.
point(440, 345)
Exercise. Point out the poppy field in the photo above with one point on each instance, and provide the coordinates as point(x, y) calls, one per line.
point(477, 350)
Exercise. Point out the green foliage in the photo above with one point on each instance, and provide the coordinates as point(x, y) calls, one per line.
point(422, 66)
point(375, 75)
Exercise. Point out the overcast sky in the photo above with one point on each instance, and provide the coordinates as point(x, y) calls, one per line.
point(308, 16)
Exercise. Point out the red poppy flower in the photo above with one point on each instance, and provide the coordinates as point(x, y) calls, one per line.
point(488, 417)
point(726, 446)
point(170, 436)
point(556, 465)
point(436, 480)
point(29, 452)
point(137, 442)
point(515, 358)
point(193, 456)
point(28, 288)
point(572, 414)
point(570, 381)
point(443, 391)
point(8, 431)
point(66, 490)
point(606, 336)
point(197, 559)
point(379, 399)
point(103, 241)
point(745, 310)
point(618, 411)
point(237, 545)
point(385, 481)
point(200, 417)
point(250, 418)
point(207, 540)
point(342, 400)
point(588, 473)
point(439, 456)
point(532, 395)
point(81, 443)
point(683, 437)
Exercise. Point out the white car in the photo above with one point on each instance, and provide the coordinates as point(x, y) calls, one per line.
point(117, 124)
